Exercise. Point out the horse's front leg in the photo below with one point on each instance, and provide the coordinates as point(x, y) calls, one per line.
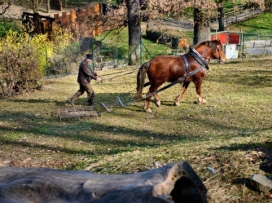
point(183, 90)
point(198, 85)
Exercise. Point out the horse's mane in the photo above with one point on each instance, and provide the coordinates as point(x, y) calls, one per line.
point(212, 44)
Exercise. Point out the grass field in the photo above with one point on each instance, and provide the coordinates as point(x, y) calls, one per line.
point(231, 133)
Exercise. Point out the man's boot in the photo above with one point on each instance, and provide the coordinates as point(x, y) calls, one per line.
point(73, 98)
point(71, 101)
point(90, 100)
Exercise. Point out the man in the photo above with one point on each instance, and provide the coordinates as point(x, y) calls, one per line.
point(85, 75)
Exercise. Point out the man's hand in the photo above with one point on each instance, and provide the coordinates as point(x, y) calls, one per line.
point(99, 79)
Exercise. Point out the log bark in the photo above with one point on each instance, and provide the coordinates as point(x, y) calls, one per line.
point(172, 183)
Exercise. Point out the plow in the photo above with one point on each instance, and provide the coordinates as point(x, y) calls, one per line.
point(93, 111)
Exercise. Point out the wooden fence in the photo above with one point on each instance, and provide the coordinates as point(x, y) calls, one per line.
point(241, 14)
point(67, 20)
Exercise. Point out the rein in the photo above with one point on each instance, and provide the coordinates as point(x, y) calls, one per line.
point(197, 57)
point(177, 81)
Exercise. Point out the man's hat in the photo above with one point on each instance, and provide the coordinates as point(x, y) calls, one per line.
point(89, 56)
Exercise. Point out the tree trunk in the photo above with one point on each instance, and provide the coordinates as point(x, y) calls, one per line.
point(134, 30)
point(35, 6)
point(221, 26)
point(48, 6)
point(201, 26)
point(174, 183)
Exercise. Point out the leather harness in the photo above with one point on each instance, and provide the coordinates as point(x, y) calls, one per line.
point(198, 58)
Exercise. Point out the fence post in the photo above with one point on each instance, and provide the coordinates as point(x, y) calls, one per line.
point(46, 63)
point(116, 58)
point(141, 49)
point(265, 48)
point(227, 42)
point(243, 45)
point(92, 44)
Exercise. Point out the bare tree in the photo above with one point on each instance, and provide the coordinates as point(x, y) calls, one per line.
point(134, 30)
point(5, 6)
point(220, 10)
point(31, 4)
point(203, 10)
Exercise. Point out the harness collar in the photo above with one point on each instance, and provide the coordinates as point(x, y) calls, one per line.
point(198, 57)
point(188, 73)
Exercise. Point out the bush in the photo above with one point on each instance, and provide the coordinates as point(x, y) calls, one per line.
point(23, 60)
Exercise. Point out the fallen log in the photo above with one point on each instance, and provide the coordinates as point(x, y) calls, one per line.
point(173, 183)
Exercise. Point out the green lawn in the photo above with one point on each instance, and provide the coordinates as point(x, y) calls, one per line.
point(231, 133)
point(259, 25)
point(5, 26)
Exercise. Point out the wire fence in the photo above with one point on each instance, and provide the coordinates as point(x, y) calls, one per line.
point(256, 45)
point(246, 44)
point(107, 56)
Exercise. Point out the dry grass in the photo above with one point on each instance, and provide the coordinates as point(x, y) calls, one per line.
point(231, 133)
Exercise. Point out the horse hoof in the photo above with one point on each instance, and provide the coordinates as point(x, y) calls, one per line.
point(148, 110)
point(203, 101)
point(177, 104)
point(158, 103)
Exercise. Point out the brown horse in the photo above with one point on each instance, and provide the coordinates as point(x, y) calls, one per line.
point(183, 69)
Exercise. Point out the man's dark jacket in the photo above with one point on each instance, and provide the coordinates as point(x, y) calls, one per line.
point(84, 73)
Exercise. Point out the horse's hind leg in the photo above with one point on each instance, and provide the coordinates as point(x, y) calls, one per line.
point(198, 85)
point(183, 90)
point(147, 100)
point(147, 103)
point(157, 100)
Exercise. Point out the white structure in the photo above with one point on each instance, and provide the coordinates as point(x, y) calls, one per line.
point(231, 51)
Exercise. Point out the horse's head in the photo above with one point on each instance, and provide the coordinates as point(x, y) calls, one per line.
point(211, 50)
point(218, 51)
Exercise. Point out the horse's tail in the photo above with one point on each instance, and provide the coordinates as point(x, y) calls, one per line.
point(141, 78)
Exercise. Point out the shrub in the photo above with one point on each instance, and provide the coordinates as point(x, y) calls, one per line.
point(23, 60)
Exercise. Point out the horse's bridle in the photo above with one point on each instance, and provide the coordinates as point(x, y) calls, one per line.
point(219, 60)
point(206, 58)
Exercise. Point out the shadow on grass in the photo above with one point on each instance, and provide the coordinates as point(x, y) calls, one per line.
point(101, 134)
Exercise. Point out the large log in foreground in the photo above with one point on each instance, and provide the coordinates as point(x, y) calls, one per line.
point(172, 183)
